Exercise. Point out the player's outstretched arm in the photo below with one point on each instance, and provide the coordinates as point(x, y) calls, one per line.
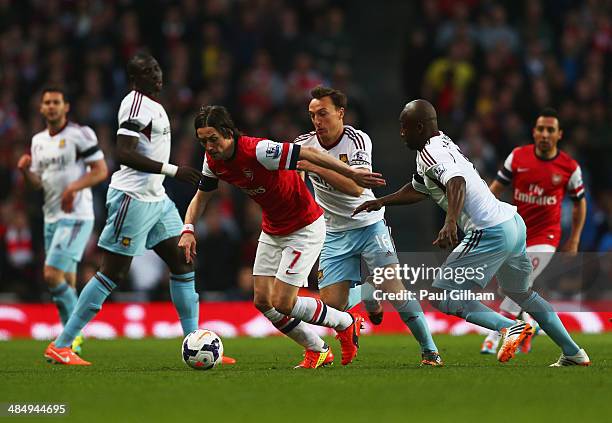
point(31, 178)
point(497, 188)
point(362, 177)
point(96, 174)
point(339, 182)
point(405, 195)
point(196, 207)
point(578, 218)
point(455, 194)
point(127, 155)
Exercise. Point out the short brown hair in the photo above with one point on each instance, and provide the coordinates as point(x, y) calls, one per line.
point(54, 89)
point(337, 96)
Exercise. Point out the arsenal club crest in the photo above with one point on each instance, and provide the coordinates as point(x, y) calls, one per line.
point(556, 179)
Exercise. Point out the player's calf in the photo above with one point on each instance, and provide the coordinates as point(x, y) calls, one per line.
point(284, 304)
point(335, 297)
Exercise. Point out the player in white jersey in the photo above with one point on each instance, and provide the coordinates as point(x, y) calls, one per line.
point(65, 163)
point(349, 239)
point(140, 214)
point(494, 242)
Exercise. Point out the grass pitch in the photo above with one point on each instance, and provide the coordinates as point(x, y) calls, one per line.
point(138, 380)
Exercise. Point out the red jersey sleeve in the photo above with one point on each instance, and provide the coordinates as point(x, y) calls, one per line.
point(277, 156)
point(504, 175)
point(209, 181)
point(575, 186)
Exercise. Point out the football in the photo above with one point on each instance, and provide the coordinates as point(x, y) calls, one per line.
point(202, 349)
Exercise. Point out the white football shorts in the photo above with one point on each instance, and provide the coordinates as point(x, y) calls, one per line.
point(290, 257)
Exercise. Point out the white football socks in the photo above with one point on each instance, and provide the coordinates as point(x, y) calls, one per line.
point(317, 313)
point(296, 330)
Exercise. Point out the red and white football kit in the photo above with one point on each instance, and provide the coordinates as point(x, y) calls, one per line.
point(293, 229)
point(538, 188)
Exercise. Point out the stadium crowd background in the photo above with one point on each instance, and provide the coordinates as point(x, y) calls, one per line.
point(488, 67)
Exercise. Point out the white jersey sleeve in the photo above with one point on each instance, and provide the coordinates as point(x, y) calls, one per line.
point(35, 167)
point(206, 171)
point(361, 149)
point(440, 161)
point(440, 164)
point(133, 116)
point(87, 146)
point(575, 186)
point(304, 138)
point(145, 119)
point(418, 183)
point(277, 156)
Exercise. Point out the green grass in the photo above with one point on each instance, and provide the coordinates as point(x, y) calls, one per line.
point(146, 380)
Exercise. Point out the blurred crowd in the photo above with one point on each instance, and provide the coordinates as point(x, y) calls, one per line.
point(258, 58)
point(488, 67)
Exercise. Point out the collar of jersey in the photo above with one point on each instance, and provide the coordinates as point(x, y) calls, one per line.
point(147, 95)
point(52, 134)
point(542, 158)
point(335, 143)
point(429, 140)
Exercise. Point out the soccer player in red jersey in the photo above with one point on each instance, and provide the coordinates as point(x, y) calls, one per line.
point(540, 175)
point(293, 228)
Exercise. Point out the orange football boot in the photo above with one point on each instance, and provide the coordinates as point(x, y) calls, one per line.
point(64, 355)
point(512, 338)
point(349, 338)
point(316, 359)
point(431, 358)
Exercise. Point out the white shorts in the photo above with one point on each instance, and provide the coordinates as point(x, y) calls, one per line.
point(540, 255)
point(290, 257)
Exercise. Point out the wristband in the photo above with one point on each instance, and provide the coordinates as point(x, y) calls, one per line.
point(169, 169)
point(187, 229)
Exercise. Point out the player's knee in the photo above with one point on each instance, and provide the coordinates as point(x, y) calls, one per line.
point(179, 266)
point(519, 297)
point(53, 276)
point(118, 276)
